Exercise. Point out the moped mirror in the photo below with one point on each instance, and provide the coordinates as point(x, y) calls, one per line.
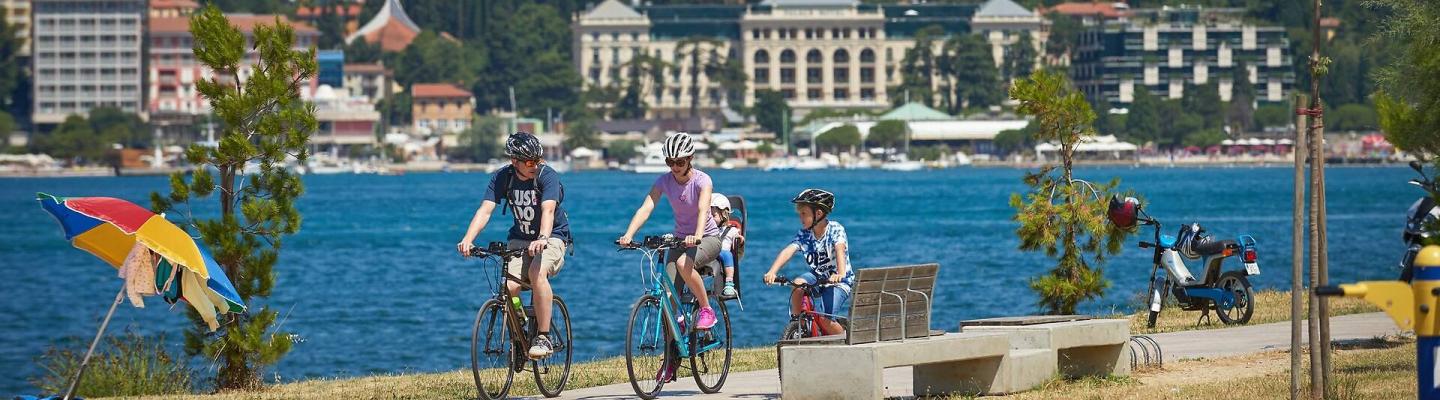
point(1415, 165)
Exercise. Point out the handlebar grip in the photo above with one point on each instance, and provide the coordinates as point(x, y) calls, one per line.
point(1329, 291)
point(1146, 245)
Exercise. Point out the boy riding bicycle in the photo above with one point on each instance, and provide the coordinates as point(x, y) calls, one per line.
point(533, 193)
point(825, 247)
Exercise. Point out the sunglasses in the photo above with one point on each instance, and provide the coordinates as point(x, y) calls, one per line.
point(528, 163)
point(676, 162)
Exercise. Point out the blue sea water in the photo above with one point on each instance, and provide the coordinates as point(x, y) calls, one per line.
point(372, 283)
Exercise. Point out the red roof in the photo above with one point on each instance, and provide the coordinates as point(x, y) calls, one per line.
point(1104, 9)
point(352, 10)
point(246, 23)
point(1330, 22)
point(394, 36)
point(437, 90)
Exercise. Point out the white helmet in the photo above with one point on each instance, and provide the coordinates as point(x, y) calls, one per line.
point(679, 145)
point(719, 201)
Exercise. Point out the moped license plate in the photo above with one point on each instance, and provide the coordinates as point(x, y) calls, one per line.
point(1252, 268)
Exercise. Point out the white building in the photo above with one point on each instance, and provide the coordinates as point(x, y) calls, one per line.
point(87, 54)
point(817, 53)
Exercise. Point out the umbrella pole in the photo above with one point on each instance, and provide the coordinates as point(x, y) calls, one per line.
point(74, 383)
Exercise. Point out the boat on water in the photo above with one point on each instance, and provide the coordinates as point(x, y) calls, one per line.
point(653, 163)
point(902, 164)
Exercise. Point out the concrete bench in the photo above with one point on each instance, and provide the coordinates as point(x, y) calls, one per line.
point(890, 327)
point(1084, 346)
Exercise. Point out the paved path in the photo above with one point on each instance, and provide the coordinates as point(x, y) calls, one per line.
point(1177, 346)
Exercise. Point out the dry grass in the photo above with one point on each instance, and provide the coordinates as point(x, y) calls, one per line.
point(1374, 369)
point(460, 384)
point(1270, 306)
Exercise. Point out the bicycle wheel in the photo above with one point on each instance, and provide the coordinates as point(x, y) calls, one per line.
point(1237, 285)
point(490, 351)
point(551, 373)
point(710, 351)
point(645, 347)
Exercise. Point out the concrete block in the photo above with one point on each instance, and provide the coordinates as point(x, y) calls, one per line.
point(812, 370)
point(1017, 371)
point(1090, 347)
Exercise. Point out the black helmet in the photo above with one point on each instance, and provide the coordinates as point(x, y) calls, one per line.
point(524, 146)
point(1123, 213)
point(817, 198)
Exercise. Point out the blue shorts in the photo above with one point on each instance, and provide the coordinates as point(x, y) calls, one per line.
point(828, 299)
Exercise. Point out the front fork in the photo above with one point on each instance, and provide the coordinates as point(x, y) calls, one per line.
point(1158, 289)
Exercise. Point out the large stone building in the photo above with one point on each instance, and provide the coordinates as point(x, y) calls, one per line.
point(86, 54)
point(1165, 50)
point(818, 53)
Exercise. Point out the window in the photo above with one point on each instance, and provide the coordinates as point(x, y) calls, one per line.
point(867, 56)
point(787, 57)
point(762, 57)
point(762, 75)
point(867, 75)
point(842, 75)
point(813, 75)
point(787, 75)
point(813, 56)
point(812, 94)
point(867, 94)
point(842, 94)
point(788, 93)
point(842, 56)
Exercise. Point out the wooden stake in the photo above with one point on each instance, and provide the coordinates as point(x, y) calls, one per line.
point(1297, 267)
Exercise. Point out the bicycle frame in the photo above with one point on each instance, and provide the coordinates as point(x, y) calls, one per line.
point(807, 310)
point(659, 284)
point(500, 255)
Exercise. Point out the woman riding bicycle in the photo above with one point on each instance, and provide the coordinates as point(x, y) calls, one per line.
point(688, 191)
point(825, 247)
point(540, 226)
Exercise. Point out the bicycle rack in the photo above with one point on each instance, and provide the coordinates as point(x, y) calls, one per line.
point(1148, 351)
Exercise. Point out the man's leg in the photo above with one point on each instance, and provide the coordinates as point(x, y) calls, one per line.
point(540, 294)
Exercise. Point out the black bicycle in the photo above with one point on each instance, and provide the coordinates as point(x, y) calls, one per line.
point(504, 331)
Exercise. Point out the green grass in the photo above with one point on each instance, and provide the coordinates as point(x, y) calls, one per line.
point(1270, 306)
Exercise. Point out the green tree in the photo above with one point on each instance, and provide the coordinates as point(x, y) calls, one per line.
point(888, 134)
point(480, 143)
point(1205, 138)
point(771, 109)
point(644, 71)
point(622, 150)
point(839, 139)
point(1240, 113)
point(731, 76)
point(330, 24)
point(693, 48)
point(431, 58)
point(971, 77)
point(529, 48)
point(395, 109)
point(765, 148)
point(118, 126)
point(1060, 214)
point(7, 126)
point(582, 133)
point(14, 81)
point(1020, 58)
point(1016, 140)
point(1273, 116)
point(73, 140)
point(362, 52)
point(918, 69)
point(264, 122)
point(1409, 85)
point(1204, 101)
point(1143, 122)
point(1064, 35)
point(1352, 117)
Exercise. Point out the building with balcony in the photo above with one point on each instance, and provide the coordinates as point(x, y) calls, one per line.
point(817, 53)
point(173, 69)
point(1165, 50)
point(370, 81)
point(390, 28)
point(86, 54)
point(441, 109)
point(343, 122)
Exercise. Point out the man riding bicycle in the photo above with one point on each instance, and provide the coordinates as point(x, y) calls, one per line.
point(533, 193)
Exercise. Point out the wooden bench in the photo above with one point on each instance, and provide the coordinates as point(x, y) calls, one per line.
point(890, 327)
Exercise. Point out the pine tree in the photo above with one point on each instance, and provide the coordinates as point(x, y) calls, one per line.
point(1063, 215)
point(265, 123)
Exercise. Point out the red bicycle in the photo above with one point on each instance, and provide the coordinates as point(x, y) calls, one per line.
point(804, 325)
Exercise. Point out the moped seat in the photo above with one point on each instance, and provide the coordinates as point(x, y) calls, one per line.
point(1206, 248)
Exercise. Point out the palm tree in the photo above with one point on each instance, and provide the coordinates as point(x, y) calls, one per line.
point(692, 47)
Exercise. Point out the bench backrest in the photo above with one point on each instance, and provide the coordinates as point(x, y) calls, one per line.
point(884, 297)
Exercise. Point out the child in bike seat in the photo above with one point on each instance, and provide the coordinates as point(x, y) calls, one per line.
point(825, 248)
point(729, 237)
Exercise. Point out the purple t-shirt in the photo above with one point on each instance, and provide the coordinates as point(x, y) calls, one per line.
point(685, 202)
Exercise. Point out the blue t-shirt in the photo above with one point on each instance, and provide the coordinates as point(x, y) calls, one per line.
point(820, 252)
point(525, 202)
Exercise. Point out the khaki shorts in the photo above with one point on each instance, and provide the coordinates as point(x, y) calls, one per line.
point(703, 253)
point(550, 259)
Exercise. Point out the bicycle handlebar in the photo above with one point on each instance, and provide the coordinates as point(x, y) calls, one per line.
point(496, 249)
point(654, 243)
point(787, 281)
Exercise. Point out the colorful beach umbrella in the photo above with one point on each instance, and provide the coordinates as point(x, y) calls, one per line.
point(110, 228)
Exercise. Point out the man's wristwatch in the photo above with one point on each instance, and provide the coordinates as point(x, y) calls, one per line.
point(542, 237)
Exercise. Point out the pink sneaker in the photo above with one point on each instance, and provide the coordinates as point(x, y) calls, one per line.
point(705, 319)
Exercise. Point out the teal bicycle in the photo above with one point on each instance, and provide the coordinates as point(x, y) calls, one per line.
point(661, 331)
